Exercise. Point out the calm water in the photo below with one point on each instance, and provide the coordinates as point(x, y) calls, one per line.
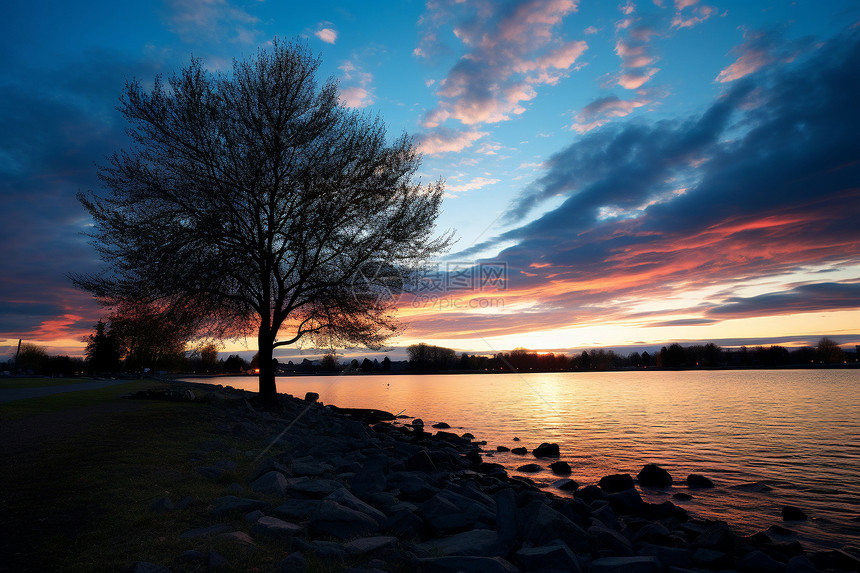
point(796, 431)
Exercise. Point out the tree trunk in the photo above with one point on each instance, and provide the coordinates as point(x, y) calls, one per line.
point(268, 389)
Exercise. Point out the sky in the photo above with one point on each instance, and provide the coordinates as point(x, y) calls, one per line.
point(618, 174)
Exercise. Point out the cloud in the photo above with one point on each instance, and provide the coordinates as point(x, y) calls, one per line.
point(444, 140)
point(476, 183)
point(696, 14)
point(804, 298)
point(357, 90)
point(762, 184)
point(212, 21)
point(327, 35)
point(602, 110)
point(760, 49)
point(511, 49)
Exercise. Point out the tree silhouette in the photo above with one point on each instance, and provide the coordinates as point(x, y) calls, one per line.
point(259, 202)
point(103, 350)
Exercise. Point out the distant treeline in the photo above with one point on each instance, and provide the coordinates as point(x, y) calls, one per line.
point(429, 358)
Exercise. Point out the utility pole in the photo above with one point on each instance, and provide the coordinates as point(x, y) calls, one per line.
point(15, 369)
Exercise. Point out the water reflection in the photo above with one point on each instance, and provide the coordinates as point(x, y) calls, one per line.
point(796, 431)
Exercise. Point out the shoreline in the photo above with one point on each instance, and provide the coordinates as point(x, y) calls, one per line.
point(357, 488)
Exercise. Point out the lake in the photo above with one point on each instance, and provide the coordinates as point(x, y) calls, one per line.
point(795, 431)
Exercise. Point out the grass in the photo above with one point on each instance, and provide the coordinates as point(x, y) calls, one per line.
point(69, 400)
point(80, 501)
point(14, 383)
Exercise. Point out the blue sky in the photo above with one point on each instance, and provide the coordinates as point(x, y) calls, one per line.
point(648, 171)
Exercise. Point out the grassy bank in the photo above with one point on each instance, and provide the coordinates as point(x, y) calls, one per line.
point(76, 494)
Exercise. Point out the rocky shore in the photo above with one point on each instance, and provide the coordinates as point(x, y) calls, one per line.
point(356, 490)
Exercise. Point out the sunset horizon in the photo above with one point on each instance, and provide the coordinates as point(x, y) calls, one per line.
point(642, 174)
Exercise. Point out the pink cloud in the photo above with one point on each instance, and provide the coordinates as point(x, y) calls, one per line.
point(632, 55)
point(509, 51)
point(635, 79)
point(601, 111)
point(327, 35)
point(746, 64)
point(699, 14)
point(447, 141)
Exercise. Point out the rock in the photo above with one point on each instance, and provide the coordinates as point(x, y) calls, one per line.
point(792, 513)
point(539, 524)
point(253, 516)
point(590, 493)
point(697, 481)
point(627, 501)
point(413, 486)
point(229, 505)
point(556, 557)
point(311, 397)
point(680, 496)
point(238, 537)
point(365, 545)
point(642, 564)
point(711, 559)
point(616, 482)
point(605, 541)
point(835, 559)
point(506, 514)
point(529, 468)
point(560, 468)
point(519, 451)
point(502, 449)
point(476, 542)
point(420, 461)
point(209, 561)
point(403, 523)
point(274, 527)
point(441, 426)
point(719, 537)
point(654, 533)
point(446, 512)
point(668, 556)
point(272, 483)
point(800, 564)
point(466, 565)
point(204, 531)
point(310, 468)
point(234, 488)
point(315, 488)
point(297, 509)
point(293, 563)
point(340, 522)
point(468, 436)
point(162, 504)
point(346, 499)
point(652, 475)
point(565, 484)
point(781, 531)
point(759, 562)
point(147, 567)
point(211, 473)
point(756, 487)
point(417, 423)
point(546, 450)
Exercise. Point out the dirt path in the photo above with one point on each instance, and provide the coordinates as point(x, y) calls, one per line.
point(13, 394)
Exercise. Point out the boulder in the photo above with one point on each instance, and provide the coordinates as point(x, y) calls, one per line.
point(315, 488)
point(652, 475)
point(627, 501)
point(759, 562)
point(311, 397)
point(476, 542)
point(204, 531)
point(607, 541)
point(297, 509)
point(162, 504)
point(696, 481)
point(565, 484)
point(560, 468)
point(292, 563)
point(792, 513)
point(529, 468)
point(506, 514)
point(546, 450)
point(616, 482)
point(800, 564)
point(590, 493)
point(641, 564)
point(711, 559)
point(519, 451)
point(230, 505)
point(273, 527)
point(668, 556)
point(441, 426)
point(555, 557)
point(503, 449)
point(681, 496)
point(413, 486)
point(346, 499)
point(239, 538)
point(272, 483)
point(465, 564)
point(403, 523)
point(539, 524)
point(340, 522)
point(365, 545)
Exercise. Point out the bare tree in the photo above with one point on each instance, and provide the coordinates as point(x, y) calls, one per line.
point(261, 203)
